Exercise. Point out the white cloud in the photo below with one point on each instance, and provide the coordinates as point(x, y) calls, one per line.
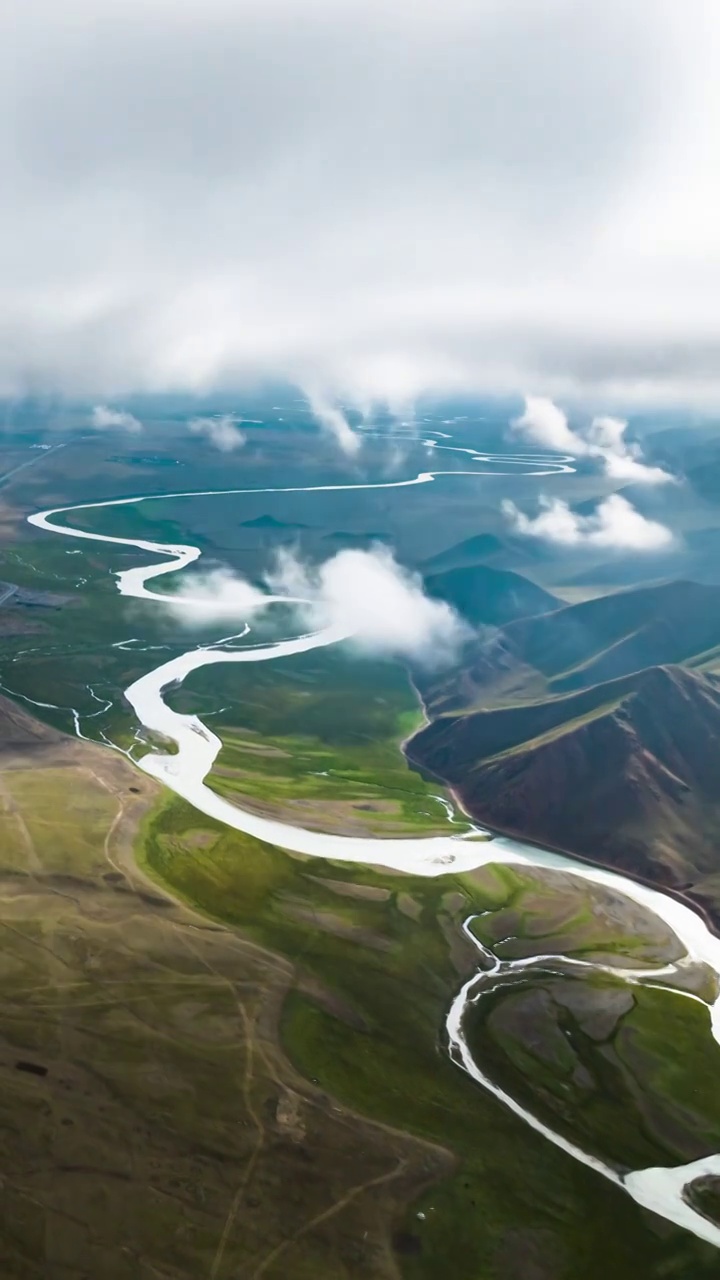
point(103, 418)
point(546, 424)
point(614, 524)
point(222, 431)
point(395, 196)
point(382, 604)
point(213, 596)
point(333, 420)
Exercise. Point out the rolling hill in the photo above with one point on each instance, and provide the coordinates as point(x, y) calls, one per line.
point(20, 732)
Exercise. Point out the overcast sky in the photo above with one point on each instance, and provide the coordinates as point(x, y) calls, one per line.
point(367, 196)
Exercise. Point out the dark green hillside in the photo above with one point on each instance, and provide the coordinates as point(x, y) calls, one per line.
point(580, 645)
point(489, 596)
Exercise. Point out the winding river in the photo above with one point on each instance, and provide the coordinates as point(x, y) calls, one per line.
point(659, 1189)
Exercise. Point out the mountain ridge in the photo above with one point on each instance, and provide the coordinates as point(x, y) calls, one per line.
point(620, 771)
point(488, 596)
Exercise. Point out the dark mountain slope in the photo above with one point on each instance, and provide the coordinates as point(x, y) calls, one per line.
point(580, 645)
point(626, 775)
point(614, 635)
point(477, 550)
point(454, 743)
point(492, 597)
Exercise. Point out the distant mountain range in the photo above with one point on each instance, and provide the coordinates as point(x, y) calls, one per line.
point(611, 636)
point(593, 729)
point(696, 555)
point(472, 551)
point(269, 522)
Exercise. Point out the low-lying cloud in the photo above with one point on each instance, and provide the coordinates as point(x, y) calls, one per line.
point(381, 604)
point(213, 596)
point(104, 418)
point(615, 523)
point(333, 419)
point(222, 432)
point(603, 438)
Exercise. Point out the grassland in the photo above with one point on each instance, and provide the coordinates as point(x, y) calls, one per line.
point(316, 740)
point(172, 1136)
point(591, 1058)
point(152, 1127)
point(376, 960)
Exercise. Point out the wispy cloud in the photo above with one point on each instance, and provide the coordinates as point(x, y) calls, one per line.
point(614, 524)
point(103, 418)
point(333, 419)
point(214, 596)
point(603, 438)
point(222, 432)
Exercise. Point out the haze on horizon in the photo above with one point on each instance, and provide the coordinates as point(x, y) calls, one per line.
point(373, 198)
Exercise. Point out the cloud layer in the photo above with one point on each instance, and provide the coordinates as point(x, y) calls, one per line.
point(379, 196)
point(614, 524)
point(603, 438)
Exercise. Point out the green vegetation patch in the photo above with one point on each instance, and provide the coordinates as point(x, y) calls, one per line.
point(318, 737)
point(367, 1025)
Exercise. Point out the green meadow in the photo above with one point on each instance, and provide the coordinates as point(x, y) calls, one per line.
point(377, 959)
